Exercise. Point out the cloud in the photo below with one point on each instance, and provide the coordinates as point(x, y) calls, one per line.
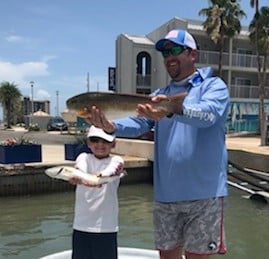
point(42, 95)
point(21, 72)
point(14, 39)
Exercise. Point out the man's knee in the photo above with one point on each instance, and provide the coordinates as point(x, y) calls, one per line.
point(171, 254)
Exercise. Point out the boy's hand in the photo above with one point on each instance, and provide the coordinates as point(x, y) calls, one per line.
point(75, 180)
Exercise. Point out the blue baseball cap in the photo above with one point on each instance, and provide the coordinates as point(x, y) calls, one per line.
point(179, 37)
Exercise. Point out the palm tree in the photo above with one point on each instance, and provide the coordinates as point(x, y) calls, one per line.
point(9, 96)
point(223, 20)
point(259, 28)
point(255, 3)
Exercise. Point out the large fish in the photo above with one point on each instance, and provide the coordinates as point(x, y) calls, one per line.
point(119, 105)
point(68, 172)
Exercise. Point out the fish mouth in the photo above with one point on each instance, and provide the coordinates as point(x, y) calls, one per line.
point(83, 113)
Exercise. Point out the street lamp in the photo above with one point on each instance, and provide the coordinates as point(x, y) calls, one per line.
point(32, 92)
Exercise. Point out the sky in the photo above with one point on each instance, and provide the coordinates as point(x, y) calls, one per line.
point(58, 43)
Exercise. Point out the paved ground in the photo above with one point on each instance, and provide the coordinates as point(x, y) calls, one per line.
point(55, 153)
point(53, 144)
point(249, 144)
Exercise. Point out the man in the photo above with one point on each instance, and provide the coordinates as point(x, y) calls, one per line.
point(190, 159)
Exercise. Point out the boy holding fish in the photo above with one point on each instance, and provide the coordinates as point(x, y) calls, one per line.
point(190, 158)
point(95, 223)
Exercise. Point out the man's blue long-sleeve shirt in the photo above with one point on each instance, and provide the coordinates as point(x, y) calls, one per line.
point(190, 157)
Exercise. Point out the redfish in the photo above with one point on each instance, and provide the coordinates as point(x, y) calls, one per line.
point(115, 105)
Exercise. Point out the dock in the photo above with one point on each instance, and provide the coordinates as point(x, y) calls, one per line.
point(137, 154)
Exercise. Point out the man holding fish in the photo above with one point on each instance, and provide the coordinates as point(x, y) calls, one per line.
point(190, 159)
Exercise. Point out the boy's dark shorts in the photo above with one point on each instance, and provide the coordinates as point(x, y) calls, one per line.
point(94, 245)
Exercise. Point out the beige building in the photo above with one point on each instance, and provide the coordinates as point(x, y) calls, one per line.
point(140, 69)
point(30, 107)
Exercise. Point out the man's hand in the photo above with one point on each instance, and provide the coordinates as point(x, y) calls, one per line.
point(147, 110)
point(99, 120)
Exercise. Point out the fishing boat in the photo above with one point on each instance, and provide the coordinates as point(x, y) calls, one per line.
point(124, 253)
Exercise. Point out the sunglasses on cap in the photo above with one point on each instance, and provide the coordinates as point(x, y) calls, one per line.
point(97, 140)
point(175, 51)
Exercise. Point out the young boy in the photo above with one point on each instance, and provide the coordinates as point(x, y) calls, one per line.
point(95, 223)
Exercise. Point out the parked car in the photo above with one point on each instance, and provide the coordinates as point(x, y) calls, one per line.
point(57, 123)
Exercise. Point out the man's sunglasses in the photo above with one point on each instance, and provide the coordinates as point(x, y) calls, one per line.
point(97, 140)
point(175, 51)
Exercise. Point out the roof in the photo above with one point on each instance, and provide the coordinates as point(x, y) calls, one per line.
point(40, 113)
point(139, 39)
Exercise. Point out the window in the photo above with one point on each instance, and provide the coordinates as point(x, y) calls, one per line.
point(143, 69)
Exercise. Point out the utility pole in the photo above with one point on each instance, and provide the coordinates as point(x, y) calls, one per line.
point(32, 93)
point(57, 103)
point(88, 82)
point(32, 103)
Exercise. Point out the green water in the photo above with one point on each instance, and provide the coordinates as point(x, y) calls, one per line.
point(33, 226)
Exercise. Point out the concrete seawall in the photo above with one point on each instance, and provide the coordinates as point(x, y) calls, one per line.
point(258, 162)
point(31, 179)
point(248, 153)
point(138, 156)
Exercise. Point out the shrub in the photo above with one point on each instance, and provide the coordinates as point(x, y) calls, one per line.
point(34, 127)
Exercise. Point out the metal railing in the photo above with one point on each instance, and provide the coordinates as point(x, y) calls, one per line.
point(237, 60)
point(247, 91)
point(143, 80)
point(242, 126)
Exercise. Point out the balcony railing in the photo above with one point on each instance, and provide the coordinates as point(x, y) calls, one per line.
point(143, 84)
point(242, 125)
point(247, 91)
point(209, 57)
point(143, 80)
point(238, 60)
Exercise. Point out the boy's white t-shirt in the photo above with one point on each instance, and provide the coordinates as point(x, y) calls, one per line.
point(96, 208)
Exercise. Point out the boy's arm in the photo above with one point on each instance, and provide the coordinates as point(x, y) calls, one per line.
point(115, 167)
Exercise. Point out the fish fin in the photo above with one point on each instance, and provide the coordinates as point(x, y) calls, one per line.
point(178, 97)
point(84, 113)
point(175, 102)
